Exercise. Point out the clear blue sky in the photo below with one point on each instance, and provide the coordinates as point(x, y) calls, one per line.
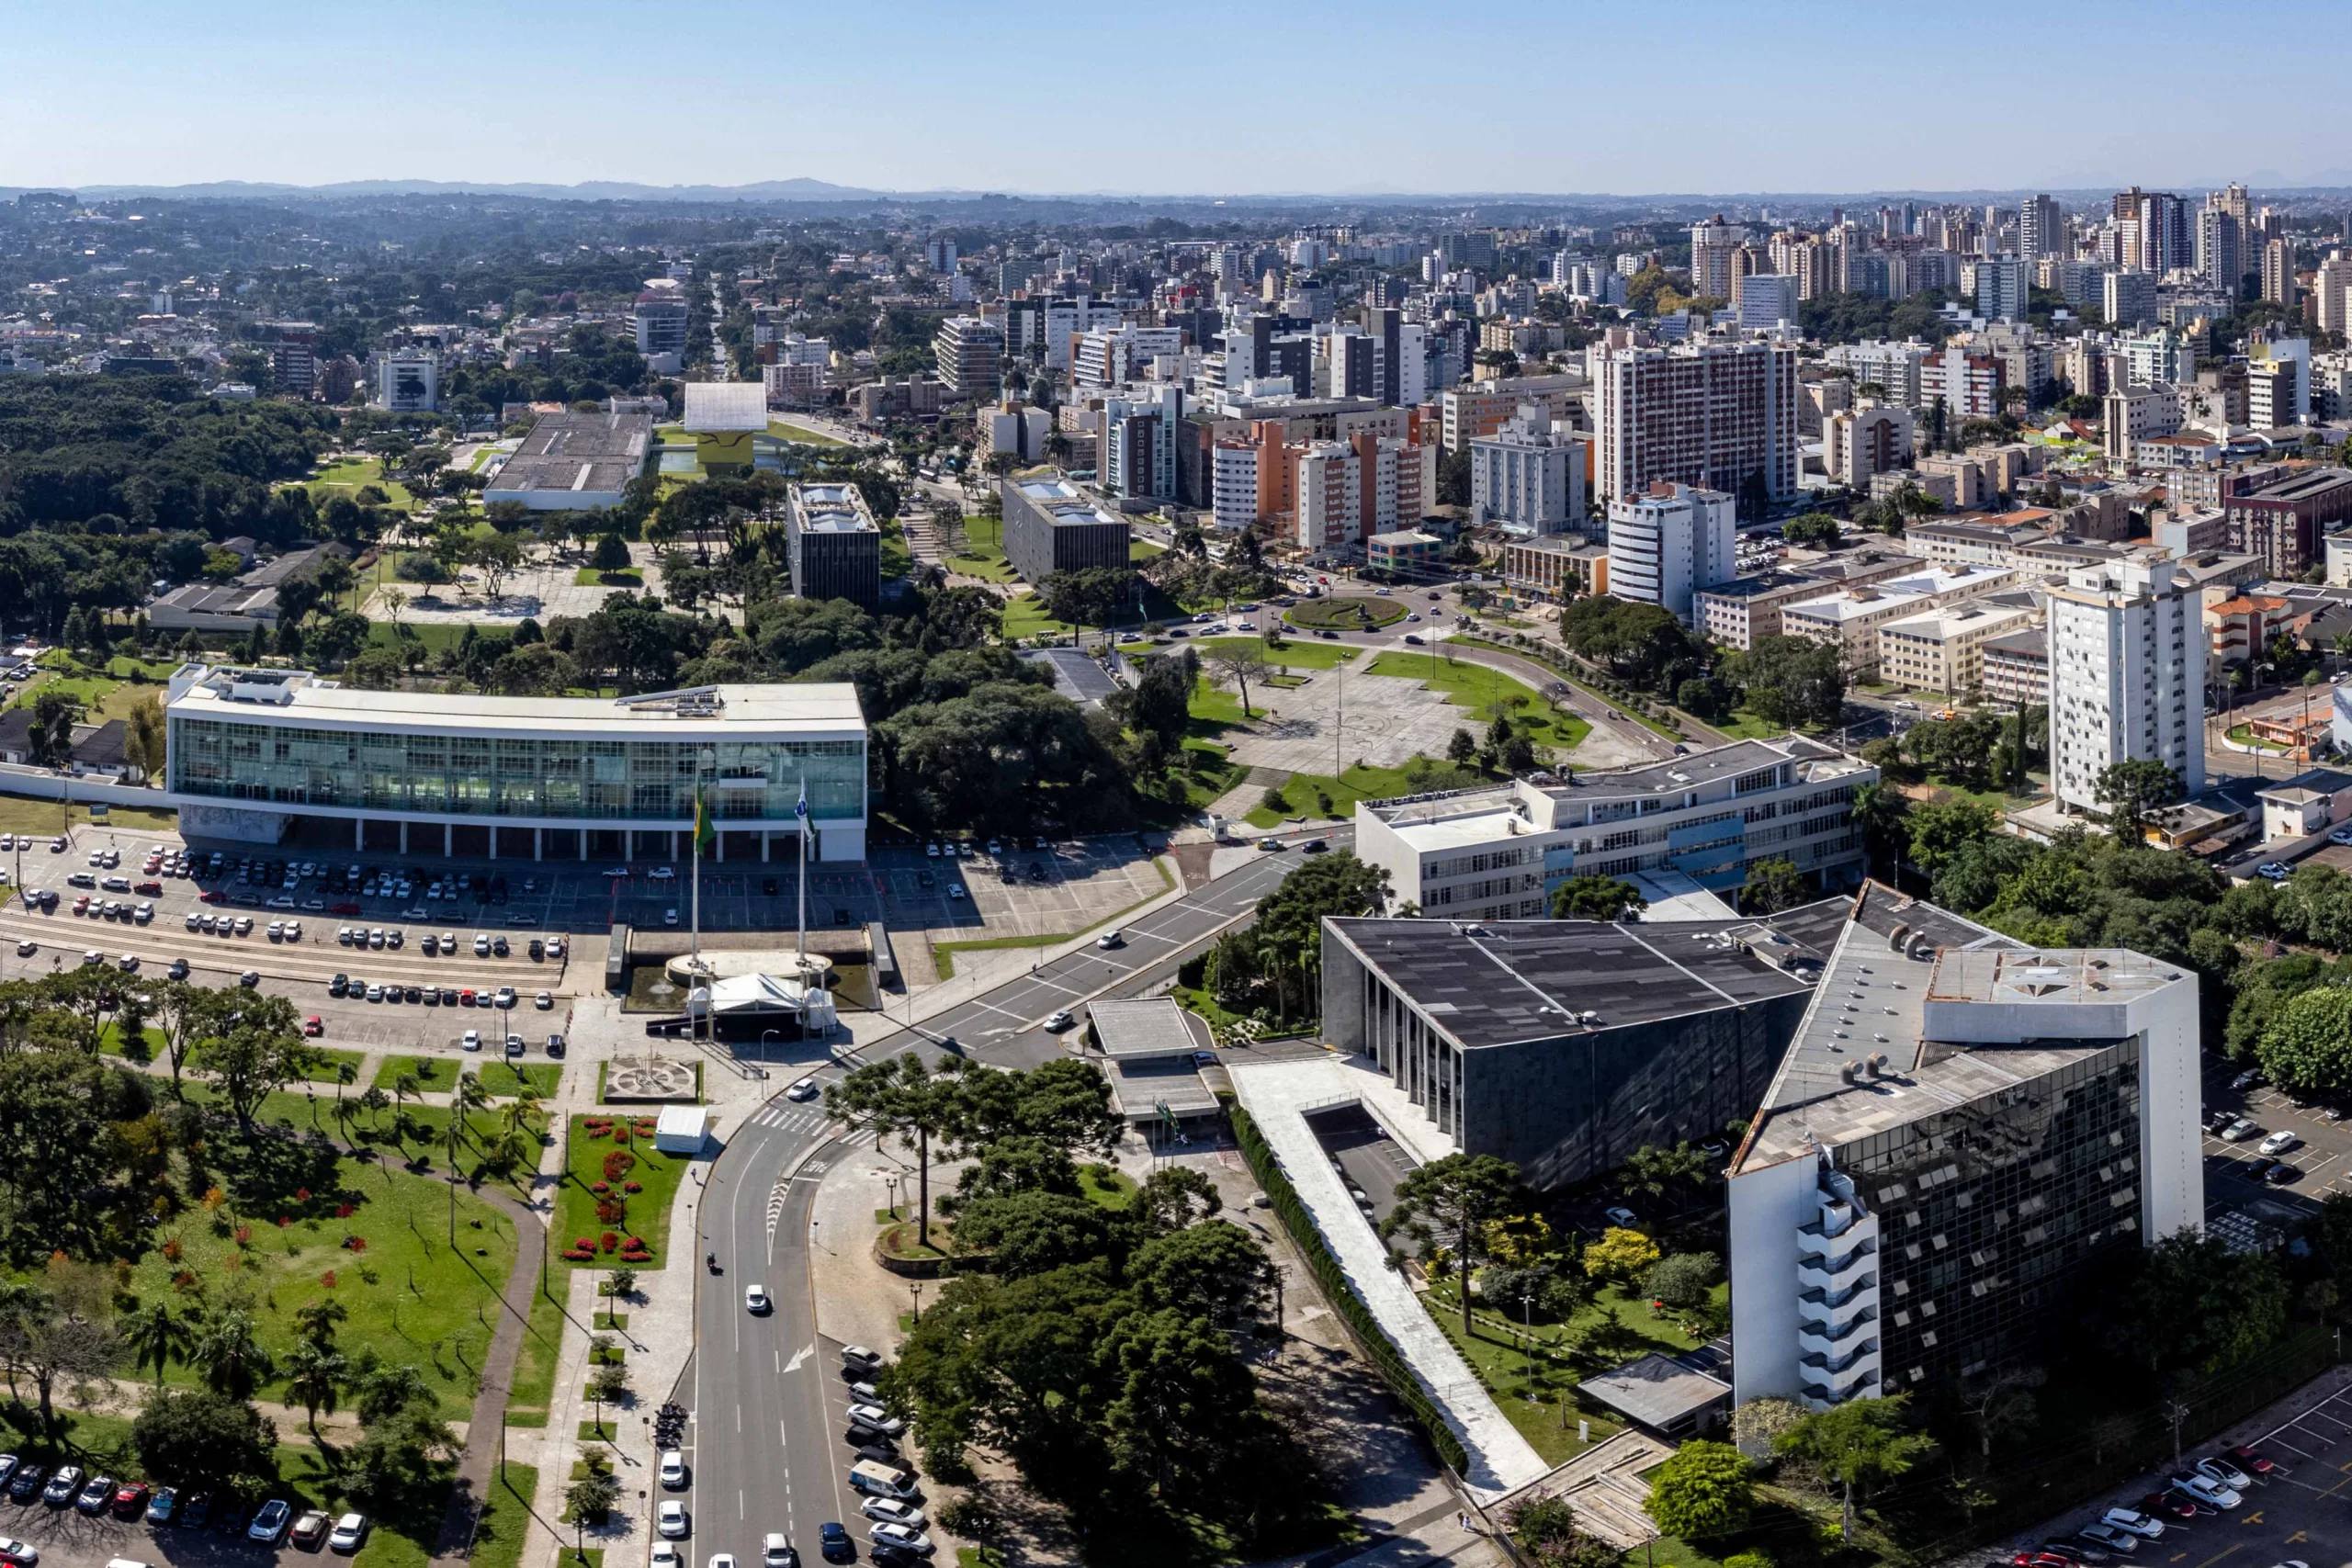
point(1209, 96)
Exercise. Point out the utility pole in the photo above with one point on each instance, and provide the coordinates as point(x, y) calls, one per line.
point(2176, 1413)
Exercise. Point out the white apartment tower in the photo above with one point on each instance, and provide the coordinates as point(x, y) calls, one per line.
point(1528, 477)
point(2127, 676)
point(1670, 543)
point(1719, 415)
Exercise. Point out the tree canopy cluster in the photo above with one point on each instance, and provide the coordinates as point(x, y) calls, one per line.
point(1274, 965)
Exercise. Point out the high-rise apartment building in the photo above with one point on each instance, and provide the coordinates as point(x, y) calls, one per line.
point(2329, 284)
point(661, 322)
point(939, 254)
point(970, 353)
point(2128, 298)
point(1670, 543)
point(1718, 416)
point(2220, 246)
point(293, 357)
point(2041, 228)
point(2279, 273)
point(2127, 676)
point(1712, 245)
point(1765, 300)
point(2001, 289)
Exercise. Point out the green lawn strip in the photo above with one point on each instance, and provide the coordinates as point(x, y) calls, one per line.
point(1356, 783)
point(531, 1394)
point(607, 1431)
point(1578, 681)
point(506, 1079)
point(944, 952)
point(1486, 692)
point(22, 814)
point(1745, 726)
point(1216, 707)
point(1295, 653)
point(504, 1518)
point(412, 1297)
point(330, 1058)
point(648, 1210)
point(1348, 612)
point(1144, 549)
point(352, 474)
point(1025, 616)
point(433, 1073)
point(1106, 1187)
point(433, 636)
point(800, 434)
point(110, 1041)
point(625, 577)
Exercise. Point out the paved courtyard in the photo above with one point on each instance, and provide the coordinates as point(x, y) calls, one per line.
point(1379, 720)
point(539, 588)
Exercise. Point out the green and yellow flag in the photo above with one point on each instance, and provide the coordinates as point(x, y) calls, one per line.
point(704, 830)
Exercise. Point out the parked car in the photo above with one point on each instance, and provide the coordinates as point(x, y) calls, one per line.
point(2274, 871)
point(310, 1531)
point(673, 1470)
point(350, 1532)
point(672, 1520)
point(2121, 1542)
point(2239, 1130)
point(163, 1507)
point(875, 1418)
point(2251, 1462)
point(130, 1499)
point(270, 1523)
point(27, 1483)
point(890, 1511)
point(2205, 1489)
point(2222, 1472)
point(19, 1553)
point(2278, 1142)
point(901, 1537)
point(62, 1486)
point(2145, 1526)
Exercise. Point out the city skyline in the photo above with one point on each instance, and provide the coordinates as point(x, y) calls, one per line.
point(973, 109)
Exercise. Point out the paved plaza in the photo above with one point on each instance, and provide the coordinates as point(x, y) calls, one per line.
point(1379, 720)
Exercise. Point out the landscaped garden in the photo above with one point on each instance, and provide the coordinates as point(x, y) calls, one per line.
point(614, 1206)
point(1346, 613)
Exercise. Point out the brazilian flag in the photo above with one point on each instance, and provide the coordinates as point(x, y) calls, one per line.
point(705, 830)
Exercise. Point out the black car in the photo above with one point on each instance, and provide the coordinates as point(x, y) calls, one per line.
point(196, 1512)
point(1313, 846)
point(339, 986)
point(872, 1445)
point(539, 951)
point(25, 1485)
point(448, 995)
point(498, 945)
point(413, 994)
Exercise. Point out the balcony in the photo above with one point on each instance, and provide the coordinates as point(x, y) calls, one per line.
point(1828, 1341)
point(1828, 1383)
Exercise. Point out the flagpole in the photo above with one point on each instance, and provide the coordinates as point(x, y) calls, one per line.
point(801, 810)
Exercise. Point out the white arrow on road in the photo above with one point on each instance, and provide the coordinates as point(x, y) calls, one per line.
point(797, 1357)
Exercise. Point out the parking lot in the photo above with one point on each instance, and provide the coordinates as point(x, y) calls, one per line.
point(1067, 887)
point(65, 1536)
point(2300, 1511)
point(2239, 1204)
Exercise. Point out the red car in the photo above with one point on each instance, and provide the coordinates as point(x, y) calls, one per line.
point(212, 896)
point(312, 1026)
point(2170, 1504)
point(148, 890)
point(130, 1499)
point(2252, 1461)
point(2042, 1560)
point(344, 909)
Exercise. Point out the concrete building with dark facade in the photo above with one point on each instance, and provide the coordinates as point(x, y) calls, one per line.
point(2282, 521)
point(1564, 1045)
point(1049, 526)
point(835, 545)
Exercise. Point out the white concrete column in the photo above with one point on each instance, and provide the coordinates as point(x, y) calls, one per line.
point(449, 840)
point(403, 837)
point(584, 843)
point(359, 832)
point(766, 855)
point(673, 844)
point(538, 843)
point(719, 844)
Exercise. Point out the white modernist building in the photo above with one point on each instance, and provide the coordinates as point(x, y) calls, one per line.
point(258, 754)
point(1528, 477)
point(1670, 543)
point(1496, 853)
point(1966, 1134)
point(2127, 675)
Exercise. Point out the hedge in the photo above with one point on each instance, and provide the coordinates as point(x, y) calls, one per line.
point(1373, 1341)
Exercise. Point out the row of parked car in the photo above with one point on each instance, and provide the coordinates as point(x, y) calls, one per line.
point(133, 1501)
point(2210, 1486)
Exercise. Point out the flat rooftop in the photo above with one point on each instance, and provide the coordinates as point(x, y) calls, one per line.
point(1891, 592)
point(719, 407)
point(1895, 959)
point(1501, 982)
point(832, 509)
point(1154, 1026)
point(1657, 1391)
point(298, 697)
point(594, 452)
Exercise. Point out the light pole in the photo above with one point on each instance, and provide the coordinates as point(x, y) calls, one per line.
point(705, 760)
point(916, 1286)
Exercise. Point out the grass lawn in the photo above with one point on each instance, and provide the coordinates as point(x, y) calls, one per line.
point(1486, 692)
point(1356, 783)
point(800, 434)
point(330, 1058)
point(983, 553)
point(1647, 722)
point(1025, 616)
point(434, 637)
point(505, 1517)
point(431, 1073)
point(1529, 1388)
point(1348, 612)
point(505, 1078)
point(626, 577)
point(1745, 726)
point(533, 1391)
point(1295, 653)
point(412, 1296)
point(352, 473)
point(20, 814)
point(1144, 549)
point(1216, 707)
point(1106, 1185)
point(648, 1212)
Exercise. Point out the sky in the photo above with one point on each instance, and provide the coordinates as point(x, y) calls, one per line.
point(1207, 97)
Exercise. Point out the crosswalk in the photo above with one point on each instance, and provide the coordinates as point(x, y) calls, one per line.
point(793, 1118)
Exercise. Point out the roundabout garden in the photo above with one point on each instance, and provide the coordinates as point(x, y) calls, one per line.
point(1351, 613)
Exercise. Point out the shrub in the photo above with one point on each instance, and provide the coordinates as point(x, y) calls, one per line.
point(328, 1279)
point(632, 1186)
point(609, 1240)
point(617, 1164)
point(600, 1187)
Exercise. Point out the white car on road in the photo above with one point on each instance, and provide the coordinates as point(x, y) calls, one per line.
point(673, 1470)
point(673, 1519)
point(890, 1511)
point(755, 1300)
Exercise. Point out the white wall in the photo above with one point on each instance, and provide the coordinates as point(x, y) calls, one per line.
point(1768, 1205)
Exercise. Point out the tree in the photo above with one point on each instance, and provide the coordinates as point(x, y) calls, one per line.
point(155, 1333)
point(316, 1321)
point(1758, 1424)
point(1703, 1490)
point(1858, 1444)
point(59, 1331)
point(1683, 1280)
point(2307, 1048)
point(198, 1441)
point(260, 1055)
point(1773, 885)
point(1031, 1233)
point(592, 1496)
point(900, 1097)
point(314, 1375)
point(1790, 681)
point(611, 554)
point(1544, 1528)
point(1814, 530)
point(2133, 790)
point(1158, 705)
point(1591, 896)
point(55, 714)
point(1460, 748)
point(608, 1385)
point(396, 1460)
point(1454, 1198)
point(1088, 597)
point(230, 1356)
point(1942, 830)
point(144, 734)
point(1236, 664)
point(1621, 1255)
point(2194, 1302)
point(1653, 1171)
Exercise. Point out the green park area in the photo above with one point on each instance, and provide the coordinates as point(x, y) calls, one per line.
point(983, 552)
point(1347, 613)
point(592, 1143)
point(800, 434)
point(348, 475)
point(1488, 695)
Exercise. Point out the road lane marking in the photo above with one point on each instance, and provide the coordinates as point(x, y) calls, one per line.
point(798, 1357)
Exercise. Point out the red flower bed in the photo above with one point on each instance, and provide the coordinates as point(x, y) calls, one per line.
point(600, 1187)
point(609, 1240)
point(617, 1164)
point(632, 1186)
point(578, 1253)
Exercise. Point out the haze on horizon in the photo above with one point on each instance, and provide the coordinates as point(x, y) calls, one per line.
point(1318, 96)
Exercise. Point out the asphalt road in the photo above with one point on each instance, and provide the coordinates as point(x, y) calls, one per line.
point(765, 1445)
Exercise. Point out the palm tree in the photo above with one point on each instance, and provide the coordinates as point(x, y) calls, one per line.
point(232, 1360)
point(403, 1086)
point(157, 1334)
point(314, 1375)
point(316, 1321)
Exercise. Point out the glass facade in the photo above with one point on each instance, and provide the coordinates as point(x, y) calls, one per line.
point(487, 774)
point(1991, 1213)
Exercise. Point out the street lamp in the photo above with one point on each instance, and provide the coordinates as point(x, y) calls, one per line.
point(916, 1286)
